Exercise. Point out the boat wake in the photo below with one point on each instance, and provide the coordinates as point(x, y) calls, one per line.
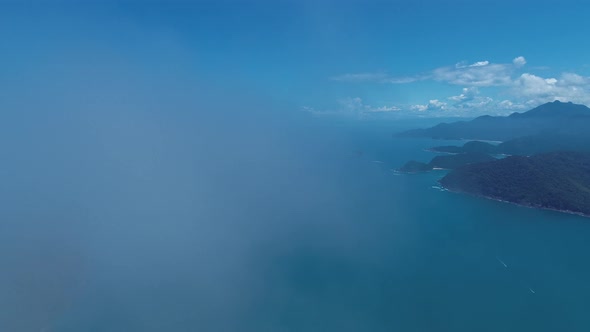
point(439, 188)
point(501, 262)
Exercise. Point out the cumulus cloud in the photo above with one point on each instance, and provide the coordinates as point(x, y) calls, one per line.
point(437, 103)
point(519, 61)
point(467, 94)
point(532, 85)
point(474, 105)
point(568, 87)
point(433, 104)
point(470, 101)
point(419, 108)
point(528, 90)
point(386, 109)
point(574, 79)
point(477, 103)
point(511, 106)
point(524, 89)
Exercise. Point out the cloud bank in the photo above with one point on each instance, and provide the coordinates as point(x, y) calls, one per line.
point(514, 88)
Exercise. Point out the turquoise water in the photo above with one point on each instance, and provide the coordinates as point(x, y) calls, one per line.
point(321, 236)
point(441, 261)
point(437, 261)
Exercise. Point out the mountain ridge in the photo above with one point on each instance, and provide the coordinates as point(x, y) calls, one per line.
point(554, 117)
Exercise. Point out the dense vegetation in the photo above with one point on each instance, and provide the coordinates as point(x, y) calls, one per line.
point(413, 166)
point(446, 162)
point(530, 145)
point(471, 146)
point(557, 180)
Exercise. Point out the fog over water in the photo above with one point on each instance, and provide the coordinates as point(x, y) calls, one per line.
point(142, 191)
point(145, 215)
point(197, 215)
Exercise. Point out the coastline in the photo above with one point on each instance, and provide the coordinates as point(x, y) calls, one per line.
point(441, 152)
point(530, 206)
point(482, 140)
point(421, 172)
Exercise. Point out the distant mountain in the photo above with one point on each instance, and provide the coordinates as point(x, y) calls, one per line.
point(549, 118)
point(557, 180)
point(556, 176)
point(446, 162)
point(530, 145)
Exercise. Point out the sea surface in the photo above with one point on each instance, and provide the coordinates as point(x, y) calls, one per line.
point(316, 233)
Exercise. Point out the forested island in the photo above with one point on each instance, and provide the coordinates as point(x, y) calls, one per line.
point(446, 162)
point(547, 164)
point(555, 180)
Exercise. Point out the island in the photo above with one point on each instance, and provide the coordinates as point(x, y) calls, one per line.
point(546, 150)
point(446, 162)
point(556, 180)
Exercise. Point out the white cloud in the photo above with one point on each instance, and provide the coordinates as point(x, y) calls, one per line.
point(436, 103)
point(532, 85)
point(568, 87)
point(467, 94)
point(386, 109)
point(470, 101)
point(509, 105)
point(478, 74)
point(525, 90)
point(419, 108)
point(477, 103)
point(480, 64)
point(573, 79)
point(457, 98)
point(433, 104)
point(519, 61)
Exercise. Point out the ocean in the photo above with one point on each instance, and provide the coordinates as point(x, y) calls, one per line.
point(316, 233)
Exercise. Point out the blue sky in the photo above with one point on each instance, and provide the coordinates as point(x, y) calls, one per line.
point(411, 58)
